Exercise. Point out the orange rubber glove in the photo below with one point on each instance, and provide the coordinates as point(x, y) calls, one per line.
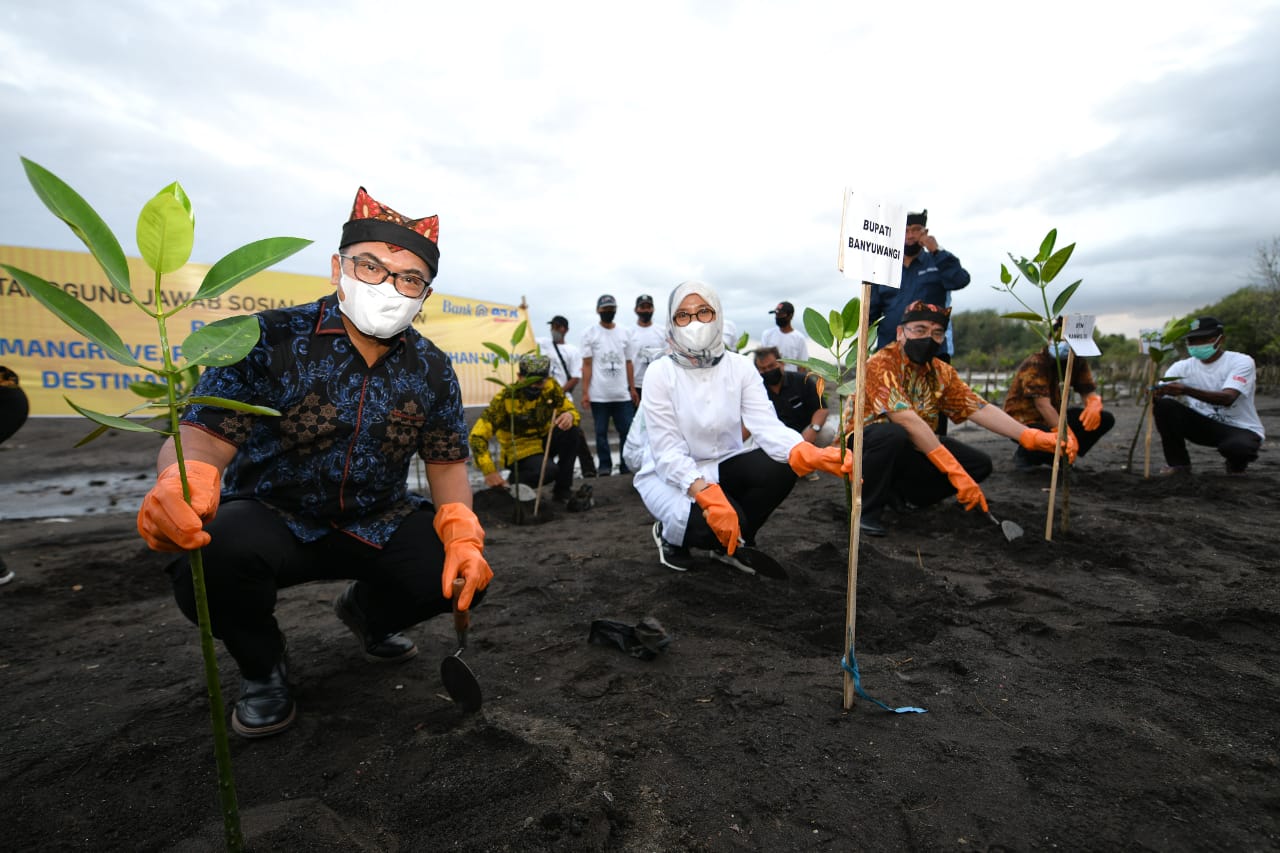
point(1033, 439)
point(1091, 417)
point(463, 538)
point(967, 491)
point(166, 521)
point(721, 517)
point(805, 458)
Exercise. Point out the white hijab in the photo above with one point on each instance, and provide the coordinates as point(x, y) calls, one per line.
point(696, 345)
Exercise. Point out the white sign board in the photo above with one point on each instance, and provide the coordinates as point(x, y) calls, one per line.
point(872, 234)
point(1078, 330)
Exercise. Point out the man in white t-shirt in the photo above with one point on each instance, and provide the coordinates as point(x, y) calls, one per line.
point(1217, 409)
point(790, 343)
point(608, 382)
point(566, 368)
point(650, 338)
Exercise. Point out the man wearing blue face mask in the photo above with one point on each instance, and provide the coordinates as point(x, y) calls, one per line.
point(1217, 408)
point(1035, 397)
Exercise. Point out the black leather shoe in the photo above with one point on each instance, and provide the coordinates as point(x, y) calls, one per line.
point(265, 707)
point(872, 526)
point(383, 648)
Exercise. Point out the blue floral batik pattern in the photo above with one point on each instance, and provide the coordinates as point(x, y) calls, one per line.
point(338, 456)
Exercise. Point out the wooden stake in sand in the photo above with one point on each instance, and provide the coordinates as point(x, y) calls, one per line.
point(1057, 447)
point(546, 452)
point(855, 517)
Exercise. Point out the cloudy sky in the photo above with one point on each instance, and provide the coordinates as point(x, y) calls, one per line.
point(574, 149)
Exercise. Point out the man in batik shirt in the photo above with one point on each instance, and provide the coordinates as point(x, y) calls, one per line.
point(1035, 396)
point(533, 408)
point(904, 461)
point(319, 492)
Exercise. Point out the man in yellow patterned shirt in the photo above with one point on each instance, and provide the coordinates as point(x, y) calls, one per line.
point(521, 419)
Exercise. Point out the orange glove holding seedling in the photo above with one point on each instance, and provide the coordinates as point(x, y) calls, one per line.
point(166, 521)
point(805, 458)
point(463, 538)
point(967, 491)
point(1091, 417)
point(721, 517)
point(1033, 439)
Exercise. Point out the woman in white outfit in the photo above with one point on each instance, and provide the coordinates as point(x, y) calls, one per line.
point(704, 482)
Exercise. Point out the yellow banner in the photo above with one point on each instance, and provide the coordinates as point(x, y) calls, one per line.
point(53, 361)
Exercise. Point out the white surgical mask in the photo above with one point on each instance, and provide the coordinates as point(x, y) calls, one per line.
point(378, 310)
point(696, 337)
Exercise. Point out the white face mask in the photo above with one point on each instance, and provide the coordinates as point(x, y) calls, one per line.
point(697, 336)
point(378, 310)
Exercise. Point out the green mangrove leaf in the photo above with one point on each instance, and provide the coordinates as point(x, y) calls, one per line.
point(66, 204)
point(1064, 297)
point(110, 421)
point(175, 189)
point(1006, 277)
point(848, 389)
point(502, 354)
point(850, 315)
point(495, 380)
point(245, 261)
point(165, 233)
point(518, 335)
point(826, 370)
point(1030, 270)
point(97, 433)
point(742, 342)
point(75, 314)
point(818, 329)
point(1046, 246)
point(224, 403)
point(222, 342)
point(836, 321)
point(1054, 265)
point(149, 390)
point(1029, 316)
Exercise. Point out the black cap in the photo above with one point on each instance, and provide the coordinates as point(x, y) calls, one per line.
point(785, 308)
point(644, 299)
point(921, 218)
point(606, 301)
point(1204, 326)
point(558, 321)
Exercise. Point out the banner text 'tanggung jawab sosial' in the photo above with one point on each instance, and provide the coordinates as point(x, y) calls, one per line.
point(53, 361)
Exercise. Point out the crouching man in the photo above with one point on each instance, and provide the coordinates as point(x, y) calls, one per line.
point(319, 493)
point(908, 389)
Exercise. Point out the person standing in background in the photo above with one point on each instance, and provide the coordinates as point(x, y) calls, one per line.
point(566, 368)
point(608, 382)
point(650, 339)
point(790, 343)
point(14, 409)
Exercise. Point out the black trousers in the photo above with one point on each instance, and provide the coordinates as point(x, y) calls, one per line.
point(892, 465)
point(1085, 438)
point(564, 451)
point(253, 555)
point(755, 485)
point(1179, 424)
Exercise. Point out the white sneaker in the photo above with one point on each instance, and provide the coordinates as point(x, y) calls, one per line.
point(6, 577)
point(673, 557)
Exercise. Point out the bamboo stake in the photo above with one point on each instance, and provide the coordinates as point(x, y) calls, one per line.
point(855, 517)
point(1146, 450)
point(546, 452)
point(1057, 446)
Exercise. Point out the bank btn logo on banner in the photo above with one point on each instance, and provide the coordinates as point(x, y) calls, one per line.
point(53, 361)
point(872, 234)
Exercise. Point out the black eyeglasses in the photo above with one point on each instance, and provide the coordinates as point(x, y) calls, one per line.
point(705, 314)
point(371, 272)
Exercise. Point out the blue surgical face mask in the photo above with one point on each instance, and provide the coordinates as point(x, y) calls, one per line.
point(1059, 350)
point(1202, 351)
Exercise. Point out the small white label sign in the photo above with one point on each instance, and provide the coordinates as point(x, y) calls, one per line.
point(1078, 330)
point(872, 234)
